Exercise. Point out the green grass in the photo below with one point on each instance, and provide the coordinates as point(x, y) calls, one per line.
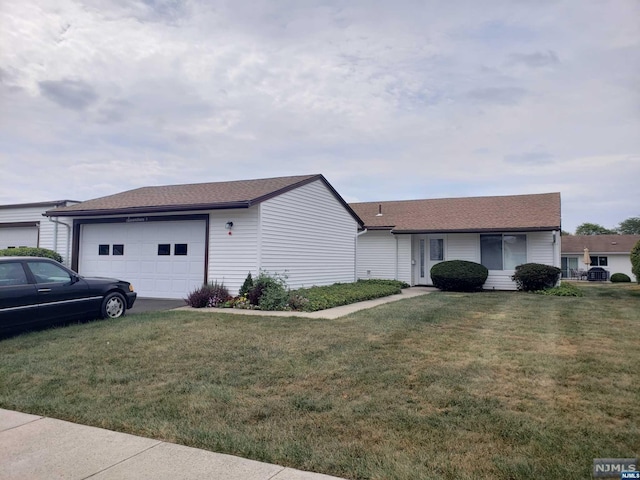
point(444, 386)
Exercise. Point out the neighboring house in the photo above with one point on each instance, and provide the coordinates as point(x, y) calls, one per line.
point(612, 252)
point(168, 240)
point(404, 239)
point(23, 225)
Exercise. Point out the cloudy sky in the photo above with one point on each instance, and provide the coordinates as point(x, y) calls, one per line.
point(389, 100)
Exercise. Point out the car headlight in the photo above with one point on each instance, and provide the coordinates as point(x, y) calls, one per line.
point(130, 288)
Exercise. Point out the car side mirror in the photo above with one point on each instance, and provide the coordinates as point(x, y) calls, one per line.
point(74, 278)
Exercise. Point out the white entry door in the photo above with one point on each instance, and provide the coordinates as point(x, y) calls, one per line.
point(431, 250)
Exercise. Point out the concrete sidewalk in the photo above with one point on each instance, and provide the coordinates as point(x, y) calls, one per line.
point(330, 313)
point(40, 448)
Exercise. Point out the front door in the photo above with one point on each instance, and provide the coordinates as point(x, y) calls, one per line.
point(431, 250)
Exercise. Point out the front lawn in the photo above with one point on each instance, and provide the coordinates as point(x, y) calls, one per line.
point(447, 385)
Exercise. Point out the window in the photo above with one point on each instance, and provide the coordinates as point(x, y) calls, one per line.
point(503, 252)
point(103, 249)
point(118, 249)
point(12, 274)
point(48, 273)
point(180, 249)
point(599, 261)
point(436, 249)
point(422, 258)
point(568, 264)
point(164, 249)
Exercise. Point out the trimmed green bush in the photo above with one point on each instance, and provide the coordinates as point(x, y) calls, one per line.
point(319, 298)
point(459, 275)
point(31, 252)
point(635, 261)
point(620, 278)
point(562, 290)
point(530, 277)
point(384, 281)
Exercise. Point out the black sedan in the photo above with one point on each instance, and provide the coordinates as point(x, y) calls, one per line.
point(36, 292)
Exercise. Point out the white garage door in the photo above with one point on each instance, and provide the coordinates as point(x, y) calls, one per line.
point(18, 237)
point(161, 259)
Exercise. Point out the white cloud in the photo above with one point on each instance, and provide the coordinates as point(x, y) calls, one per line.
point(414, 99)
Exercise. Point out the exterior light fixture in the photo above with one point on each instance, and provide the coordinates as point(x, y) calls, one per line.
point(229, 225)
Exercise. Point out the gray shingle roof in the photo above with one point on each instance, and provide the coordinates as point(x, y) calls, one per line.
point(467, 214)
point(216, 195)
point(599, 243)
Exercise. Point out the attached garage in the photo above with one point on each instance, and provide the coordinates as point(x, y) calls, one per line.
point(168, 240)
point(164, 257)
point(14, 235)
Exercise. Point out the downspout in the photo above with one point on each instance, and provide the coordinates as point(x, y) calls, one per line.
point(55, 239)
point(355, 263)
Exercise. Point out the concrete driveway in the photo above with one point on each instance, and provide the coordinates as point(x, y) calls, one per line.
point(143, 305)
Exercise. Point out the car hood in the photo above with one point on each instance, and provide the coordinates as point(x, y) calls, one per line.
point(101, 280)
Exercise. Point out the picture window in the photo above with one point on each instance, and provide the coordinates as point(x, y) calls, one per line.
point(599, 261)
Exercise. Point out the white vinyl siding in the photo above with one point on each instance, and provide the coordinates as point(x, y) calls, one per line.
point(463, 246)
point(616, 263)
point(377, 255)
point(48, 234)
point(307, 235)
point(232, 257)
point(619, 263)
point(540, 248)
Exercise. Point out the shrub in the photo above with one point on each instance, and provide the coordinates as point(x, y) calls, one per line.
point(536, 276)
point(563, 290)
point(246, 286)
point(635, 261)
point(384, 281)
point(31, 252)
point(269, 292)
point(620, 277)
point(208, 295)
point(313, 299)
point(459, 275)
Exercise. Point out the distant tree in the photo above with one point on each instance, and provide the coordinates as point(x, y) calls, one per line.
point(593, 229)
point(564, 233)
point(631, 226)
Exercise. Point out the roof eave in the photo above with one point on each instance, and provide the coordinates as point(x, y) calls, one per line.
point(475, 230)
point(153, 209)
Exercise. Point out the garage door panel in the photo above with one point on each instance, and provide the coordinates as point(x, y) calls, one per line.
point(18, 237)
point(147, 267)
point(181, 268)
point(153, 275)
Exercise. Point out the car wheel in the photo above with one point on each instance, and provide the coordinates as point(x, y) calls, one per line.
point(113, 306)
